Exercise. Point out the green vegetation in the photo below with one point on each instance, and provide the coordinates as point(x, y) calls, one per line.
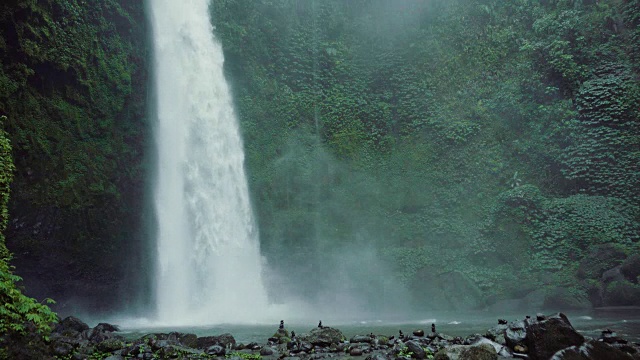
point(385, 140)
point(73, 80)
point(23, 320)
point(499, 139)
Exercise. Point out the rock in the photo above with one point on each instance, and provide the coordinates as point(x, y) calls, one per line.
point(72, 324)
point(418, 332)
point(217, 350)
point(225, 340)
point(515, 333)
point(102, 332)
point(496, 333)
point(361, 339)
point(110, 345)
point(479, 352)
point(114, 357)
point(266, 351)
point(499, 348)
point(545, 338)
point(415, 348)
point(356, 351)
point(62, 349)
point(305, 346)
point(591, 350)
point(324, 336)
point(467, 352)
point(377, 356)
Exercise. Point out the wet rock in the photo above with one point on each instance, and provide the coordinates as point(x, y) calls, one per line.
point(110, 345)
point(416, 349)
point(499, 348)
point(217, 350)
point(266, 351)
point(545, 338)
point(496, 333)
point(591, 350)
point(467, 352)
point(305, 346)
point(324, 336)
point(102, 332)
point(515, 333)
point(418, 332)
point(225, 340)
point(377, 356)
point(114, 357)
point(356, 351)
point(361, 339)
point(71, 324)
point(62, 349)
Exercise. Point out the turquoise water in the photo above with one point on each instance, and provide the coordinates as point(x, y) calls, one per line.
point(624, 321)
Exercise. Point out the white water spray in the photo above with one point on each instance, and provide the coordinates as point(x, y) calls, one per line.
point(209, 264)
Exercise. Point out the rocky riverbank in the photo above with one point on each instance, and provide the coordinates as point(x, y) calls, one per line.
point(539, 338)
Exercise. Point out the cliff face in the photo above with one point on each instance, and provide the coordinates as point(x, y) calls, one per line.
point(73, 84)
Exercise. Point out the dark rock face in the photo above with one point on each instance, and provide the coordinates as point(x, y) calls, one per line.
point(480, 352)
point(545, 338)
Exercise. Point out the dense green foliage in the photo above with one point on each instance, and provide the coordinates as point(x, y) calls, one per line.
point(73, 86)
point(19, 315)
point(497, 138)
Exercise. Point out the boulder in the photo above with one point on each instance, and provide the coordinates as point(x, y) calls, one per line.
point(515, 333)
point(102, 332)
point(266, 351)
point(324, 336)
point(225, 340)
point(496, 333)
point(216, 350)
point(591, 350)
point(467, 352)
point(545, 338)
point(361, 339)
point(71, 324)
point(416, 350)
point(356, 351)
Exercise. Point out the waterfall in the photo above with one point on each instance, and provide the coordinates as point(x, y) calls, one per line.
point(209, 265)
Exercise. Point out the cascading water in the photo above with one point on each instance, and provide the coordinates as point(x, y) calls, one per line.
point(209, 264)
